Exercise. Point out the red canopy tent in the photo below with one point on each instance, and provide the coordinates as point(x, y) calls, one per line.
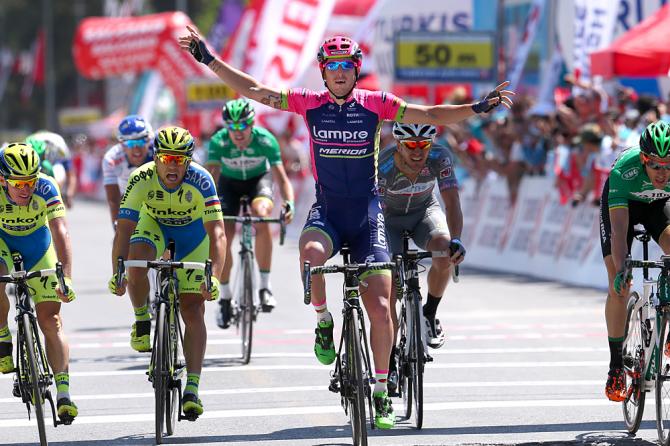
point(641, 52)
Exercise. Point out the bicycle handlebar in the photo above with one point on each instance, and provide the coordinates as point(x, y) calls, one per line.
point(16, 276)
point(121, 266)
point(630, 264)
point(249, 219)
point(308, 271)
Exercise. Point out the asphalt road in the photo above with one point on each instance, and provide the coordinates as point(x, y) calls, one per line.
point(524, 363)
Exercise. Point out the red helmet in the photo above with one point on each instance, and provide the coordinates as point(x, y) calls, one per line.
point(340, 47)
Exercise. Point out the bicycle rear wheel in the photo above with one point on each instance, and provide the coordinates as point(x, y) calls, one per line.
point(176, 369)
point(36, 396)
point(663, 385)
point(634, 366)
point(355, 382)
point(418, 359)
point(247, 309)
point(160, 369)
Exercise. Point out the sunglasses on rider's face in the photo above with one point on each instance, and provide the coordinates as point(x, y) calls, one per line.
point(177, 159)
point(415, 145)
point(335, 64)
point(135, 143)
point(23, 182)
point(654, 165)
point(238, 126)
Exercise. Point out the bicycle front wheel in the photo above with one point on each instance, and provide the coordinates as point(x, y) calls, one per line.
point(404, 365)
point(36, 396)
point(417, 362)
point(247, 309)
point(355, 381)
point(160, 369)
point(663, 385)
point(176, 369)
point(634, 366)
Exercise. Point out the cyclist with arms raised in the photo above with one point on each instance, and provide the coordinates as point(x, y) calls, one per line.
point(172, 198)
point(344, 125)
point(408, 172)
point(134, 149)
point(636, 192)
point(244, 159)
point(32, 223)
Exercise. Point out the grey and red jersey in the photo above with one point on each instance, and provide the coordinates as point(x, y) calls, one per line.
point(400, 195)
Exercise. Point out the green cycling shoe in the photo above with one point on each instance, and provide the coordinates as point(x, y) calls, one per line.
point(191, 405)
point(140, 336)
point(324, 348)
point(384, 415)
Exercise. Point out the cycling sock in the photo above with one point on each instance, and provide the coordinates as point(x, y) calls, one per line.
point(142, 313)
point(226, 293)
point(5, 335)
point(616, 352)
point(265, 280)
point(430, 307)
point(322, 313)
point(62, 385)
point(192, 383)
point(380, 380)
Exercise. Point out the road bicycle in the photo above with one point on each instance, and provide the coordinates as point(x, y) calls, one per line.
point(246, 303)
point(412, 350)
point(352, 376)
point(33, 376)
point(167, 366)
point(647, 332)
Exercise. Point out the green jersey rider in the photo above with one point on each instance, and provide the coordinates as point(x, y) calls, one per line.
point(244, 159)
point(636, 192)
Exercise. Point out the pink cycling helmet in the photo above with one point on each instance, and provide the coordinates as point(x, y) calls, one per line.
point(340, 47)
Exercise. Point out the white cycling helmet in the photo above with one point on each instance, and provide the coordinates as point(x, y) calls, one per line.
point(406, 131)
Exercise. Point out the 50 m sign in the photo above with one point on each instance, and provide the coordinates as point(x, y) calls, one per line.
point(444, 56)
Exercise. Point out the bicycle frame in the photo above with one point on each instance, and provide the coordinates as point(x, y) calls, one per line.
point(352, 315)
point(170, 370)
point(32, 363)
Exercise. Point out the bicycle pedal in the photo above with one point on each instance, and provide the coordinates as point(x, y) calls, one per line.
point(190, 416)
point(65, 420)
point(334, 386)
point(16, 391)
point(429, 358)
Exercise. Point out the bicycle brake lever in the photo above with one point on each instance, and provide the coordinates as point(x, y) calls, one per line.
point(208, 275)
point(120, 271)
point(61, 278)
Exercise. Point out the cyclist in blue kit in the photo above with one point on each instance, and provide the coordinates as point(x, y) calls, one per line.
point(344, 124)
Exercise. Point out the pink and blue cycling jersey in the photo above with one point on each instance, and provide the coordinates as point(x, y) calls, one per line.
point(344, 139)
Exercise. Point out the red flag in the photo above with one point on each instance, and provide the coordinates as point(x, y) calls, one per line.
point(36, 74)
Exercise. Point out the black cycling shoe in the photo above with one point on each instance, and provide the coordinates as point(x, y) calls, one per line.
point(224, 314)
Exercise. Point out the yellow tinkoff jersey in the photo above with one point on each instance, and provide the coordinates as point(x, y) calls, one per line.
point(194, 199)
point(45, 204)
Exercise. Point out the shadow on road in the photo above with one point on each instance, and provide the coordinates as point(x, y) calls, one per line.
point(595, 434)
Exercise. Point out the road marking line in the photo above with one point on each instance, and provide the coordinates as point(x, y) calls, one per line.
point(313, 410)
point(324, 388)
point(249, 368)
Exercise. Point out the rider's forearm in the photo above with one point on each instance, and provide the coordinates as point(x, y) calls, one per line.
point(285, 186)
point(113, 201)
point(121, 242)
point(217, 246)
point(452, 203)
point(437, 114)
point(239, 81)
point(71, 183)
point(61, 240)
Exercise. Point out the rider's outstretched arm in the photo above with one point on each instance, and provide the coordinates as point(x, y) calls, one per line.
point(450, 114)
point(239, 81)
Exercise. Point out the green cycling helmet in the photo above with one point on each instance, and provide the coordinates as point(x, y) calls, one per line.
point(656, 139)
point(39, 146)
point(238, 110)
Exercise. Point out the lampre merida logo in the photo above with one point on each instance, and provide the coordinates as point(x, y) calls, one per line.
point(339, 135)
